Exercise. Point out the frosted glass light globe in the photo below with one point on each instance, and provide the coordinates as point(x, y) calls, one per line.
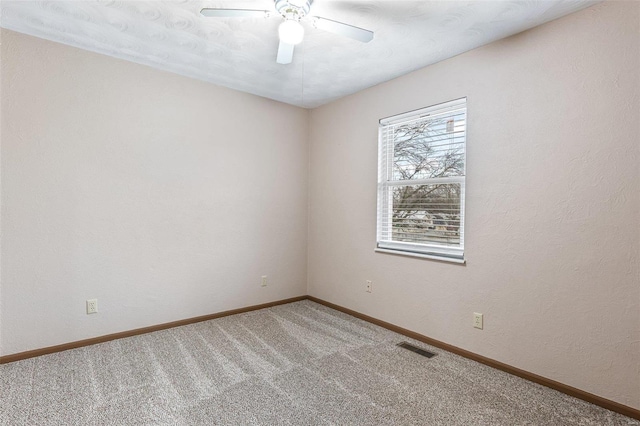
point(291, 32)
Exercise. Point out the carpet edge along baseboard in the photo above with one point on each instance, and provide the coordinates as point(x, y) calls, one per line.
point(561, 387)
point(144, 330)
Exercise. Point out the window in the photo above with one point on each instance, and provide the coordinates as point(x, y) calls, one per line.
point(421, 176)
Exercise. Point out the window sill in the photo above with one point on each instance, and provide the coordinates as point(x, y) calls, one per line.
point(422, 256)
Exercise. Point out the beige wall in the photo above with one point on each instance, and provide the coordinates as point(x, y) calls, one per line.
point(162, 196)
point(552, 209)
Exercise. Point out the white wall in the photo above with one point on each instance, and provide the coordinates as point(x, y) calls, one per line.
point(552, 210)
point(164, 197)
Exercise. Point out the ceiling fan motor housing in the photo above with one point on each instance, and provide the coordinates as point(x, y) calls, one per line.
point(293, 9)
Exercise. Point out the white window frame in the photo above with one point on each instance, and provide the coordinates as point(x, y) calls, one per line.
point(386, 145)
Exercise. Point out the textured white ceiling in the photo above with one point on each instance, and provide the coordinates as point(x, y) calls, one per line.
point(240, 52)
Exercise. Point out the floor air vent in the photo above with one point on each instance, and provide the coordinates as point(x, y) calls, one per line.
point(416, 350)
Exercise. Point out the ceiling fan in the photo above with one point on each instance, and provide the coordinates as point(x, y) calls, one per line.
point(291, 31)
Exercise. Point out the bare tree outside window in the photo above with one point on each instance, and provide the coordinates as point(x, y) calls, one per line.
point(427, 213)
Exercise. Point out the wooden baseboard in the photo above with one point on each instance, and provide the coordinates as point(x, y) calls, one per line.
point(569, 390)
point(100, 339)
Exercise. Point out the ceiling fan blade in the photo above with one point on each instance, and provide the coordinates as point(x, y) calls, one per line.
point(285, 53)
point(234, 13)
point(342, 29)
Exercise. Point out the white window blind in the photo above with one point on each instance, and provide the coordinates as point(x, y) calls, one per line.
point(421, 179)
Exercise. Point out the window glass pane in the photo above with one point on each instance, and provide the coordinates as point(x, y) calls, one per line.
point(429, 147)
point(427, 214)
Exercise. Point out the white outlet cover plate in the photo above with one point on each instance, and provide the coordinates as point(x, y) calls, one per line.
point(477, 320)
point(92, 306)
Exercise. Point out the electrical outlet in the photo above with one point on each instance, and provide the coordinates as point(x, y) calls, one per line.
point(477, 320)
point(369, 286)
point(92, 306)
point(264, 281)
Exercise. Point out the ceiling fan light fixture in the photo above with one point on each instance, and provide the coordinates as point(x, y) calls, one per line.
point(291, 32)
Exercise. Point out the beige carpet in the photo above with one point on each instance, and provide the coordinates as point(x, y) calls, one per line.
point(295, 364)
